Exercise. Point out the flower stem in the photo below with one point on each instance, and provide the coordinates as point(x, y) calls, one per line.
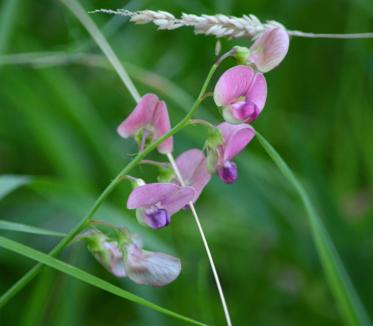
point(204, 240)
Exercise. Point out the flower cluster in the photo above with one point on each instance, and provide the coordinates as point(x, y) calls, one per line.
point(240, 94)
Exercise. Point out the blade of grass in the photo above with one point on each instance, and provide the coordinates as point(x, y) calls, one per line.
point(341, 286)
point(86, 277)
point(9, 183)
point(8, 18)
point(18, 227)
point(101, 41)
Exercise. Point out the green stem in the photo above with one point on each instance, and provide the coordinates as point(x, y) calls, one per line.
point(85, 221)
point(342, 288)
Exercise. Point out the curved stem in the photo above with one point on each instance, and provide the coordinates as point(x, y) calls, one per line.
point(205, 243)
point(84, 222)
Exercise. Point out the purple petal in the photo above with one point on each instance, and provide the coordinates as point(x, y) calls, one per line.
point(140, 116)
point(236, 137)
point(156, 218)
point(193, 169)
point(150, 194)
point(178, 199)
point(151, 268)
point(270, 49)
point(161, 123)
point(234, 83)
point(228, 172)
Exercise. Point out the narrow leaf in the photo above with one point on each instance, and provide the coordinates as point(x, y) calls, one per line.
point(9, 183)
point(85, 277)
point(341, 286)
point(18, 227)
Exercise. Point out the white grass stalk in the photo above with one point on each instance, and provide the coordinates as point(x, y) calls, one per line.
point(248, 26)
point(204, 240)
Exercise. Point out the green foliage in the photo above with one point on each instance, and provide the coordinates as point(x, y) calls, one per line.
point(58, 117)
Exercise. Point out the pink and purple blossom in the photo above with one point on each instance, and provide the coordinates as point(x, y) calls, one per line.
point(236, 137)
point(155, 203)
point(150, 118)
point(241, 93)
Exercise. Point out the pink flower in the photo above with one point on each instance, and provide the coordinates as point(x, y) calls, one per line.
point(150, 117)
point(155, 203)
point(269, 49)
point(236, 137)
point(242, 93)
point(193, 169)
point(124, 257)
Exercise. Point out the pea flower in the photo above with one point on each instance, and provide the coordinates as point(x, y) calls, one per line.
point(149, 120)
point(193, 169)
point(241, 92)
point(123, 256)
point(236, 137)
point(155, 203)
point(269, 49)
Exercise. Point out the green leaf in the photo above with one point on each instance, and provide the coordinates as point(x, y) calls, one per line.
point(342, 288)
point(18, 227)
point(86, 277)
point(9, 183)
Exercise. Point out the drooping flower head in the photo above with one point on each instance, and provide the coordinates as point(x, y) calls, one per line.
point(123, 256)
point(155, 203)
point(269, 49)
point(193, 169)
point(241, 92)
point(105, 250)
point(150, 120)
point(236, 137)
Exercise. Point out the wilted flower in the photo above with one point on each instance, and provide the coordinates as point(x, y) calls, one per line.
point(105, 251)
point(151, 268)
point(193, 169)
point(269, 49)
point(241, 92)
point(155, 203)
point(149, 119)
point(236, 137)
point(124, 256)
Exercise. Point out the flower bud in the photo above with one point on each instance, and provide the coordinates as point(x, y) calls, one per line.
point(269, 49)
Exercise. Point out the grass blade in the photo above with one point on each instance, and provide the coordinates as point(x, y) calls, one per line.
point(342, 288)
point(85, 277)
point(9, 183)
point(18, 227)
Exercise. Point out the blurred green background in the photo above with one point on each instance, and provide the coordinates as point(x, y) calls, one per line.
point(58, 117)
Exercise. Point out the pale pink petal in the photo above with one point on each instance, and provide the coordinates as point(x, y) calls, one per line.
point(193, 169)
point(140, 117)
point(269, 49)
point(161, 123)
point(178, 199)
point(236, 137)
point(234, 83)
point(151, 268)
point(150, 194)
point(257, 92)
